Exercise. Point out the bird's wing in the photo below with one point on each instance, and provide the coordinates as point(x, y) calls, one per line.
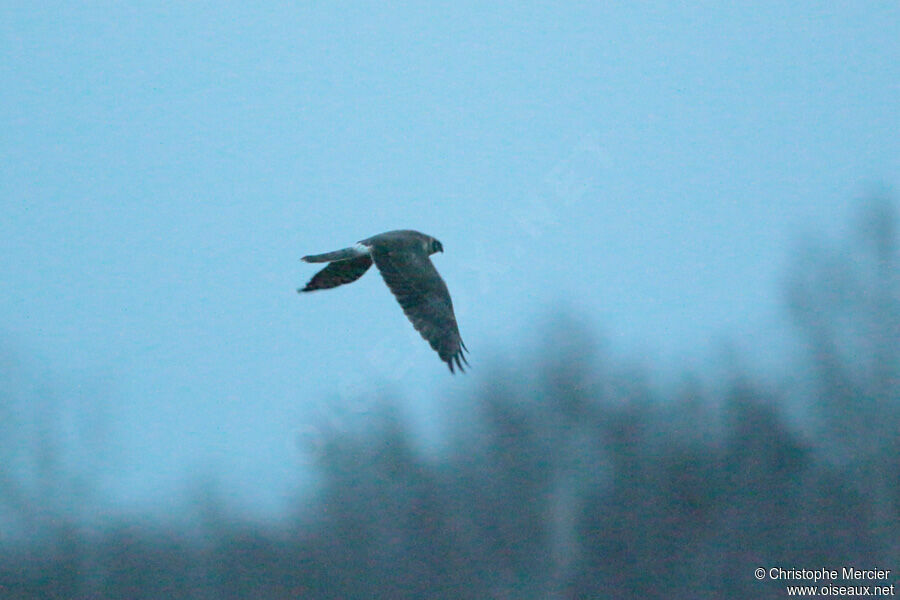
point(339, 273)
point(425, 300)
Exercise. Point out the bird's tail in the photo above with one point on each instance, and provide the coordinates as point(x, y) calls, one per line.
point(344, 254)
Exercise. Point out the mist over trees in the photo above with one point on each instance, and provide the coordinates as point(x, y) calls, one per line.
point(569, 478)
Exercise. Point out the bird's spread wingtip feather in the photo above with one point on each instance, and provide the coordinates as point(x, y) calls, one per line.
point(459, 363)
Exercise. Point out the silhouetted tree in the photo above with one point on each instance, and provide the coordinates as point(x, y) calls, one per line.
point(846, 304)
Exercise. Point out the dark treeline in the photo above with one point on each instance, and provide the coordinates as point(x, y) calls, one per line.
point(579, 480)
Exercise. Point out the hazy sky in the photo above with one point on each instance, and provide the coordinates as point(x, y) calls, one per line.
point(163, 166)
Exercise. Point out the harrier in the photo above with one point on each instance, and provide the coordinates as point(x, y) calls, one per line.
point(402, 258)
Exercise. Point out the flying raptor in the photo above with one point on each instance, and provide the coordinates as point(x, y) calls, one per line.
point(402, 258)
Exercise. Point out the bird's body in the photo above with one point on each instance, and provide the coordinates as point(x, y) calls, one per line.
point(402, 258)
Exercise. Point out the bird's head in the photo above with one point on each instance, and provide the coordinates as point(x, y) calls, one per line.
point(435, 246)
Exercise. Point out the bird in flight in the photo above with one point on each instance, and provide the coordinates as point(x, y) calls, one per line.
point(402, 258)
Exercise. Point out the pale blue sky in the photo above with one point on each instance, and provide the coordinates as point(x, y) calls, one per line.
point(163, 166)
